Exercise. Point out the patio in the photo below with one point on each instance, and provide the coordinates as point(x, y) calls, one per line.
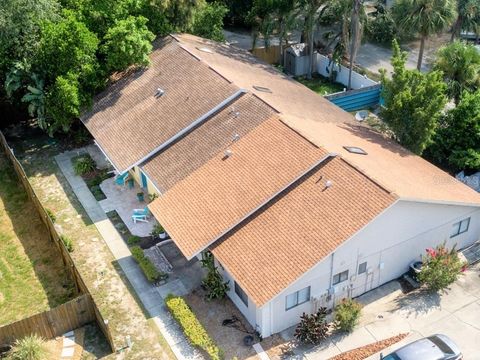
point(123, 200)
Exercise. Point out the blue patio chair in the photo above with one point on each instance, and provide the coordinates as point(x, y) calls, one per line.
point(121, 179)
point(140, 215)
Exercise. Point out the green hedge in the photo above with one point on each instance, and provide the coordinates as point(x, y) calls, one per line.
point(150, 271)
point(195, 332)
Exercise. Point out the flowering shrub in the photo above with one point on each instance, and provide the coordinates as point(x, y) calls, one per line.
point(441, 267)
point(347, 314)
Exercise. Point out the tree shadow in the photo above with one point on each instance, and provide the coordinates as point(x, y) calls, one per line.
point(34, 239)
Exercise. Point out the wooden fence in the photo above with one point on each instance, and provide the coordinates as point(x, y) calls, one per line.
point(80, 286)
point(270, 54)
point(52, 323)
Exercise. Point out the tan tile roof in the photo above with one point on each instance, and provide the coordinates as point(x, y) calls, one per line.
point(223, 191)
point(128, 121)
point(286, 239)
point(179, 160)
point(329, 126)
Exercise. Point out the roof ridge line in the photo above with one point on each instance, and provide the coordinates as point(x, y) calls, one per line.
point(190, 127)
point(268, 200)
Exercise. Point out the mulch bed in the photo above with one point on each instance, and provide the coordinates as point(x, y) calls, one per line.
point(370, 349)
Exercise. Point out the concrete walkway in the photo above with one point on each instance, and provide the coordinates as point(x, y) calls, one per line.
point(150, 296)
point(389, 312)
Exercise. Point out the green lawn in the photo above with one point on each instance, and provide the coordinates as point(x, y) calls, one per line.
point(321, 85)
point(32, 276)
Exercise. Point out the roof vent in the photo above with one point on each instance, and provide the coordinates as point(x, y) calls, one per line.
point(205, 49)
point(355, 150)
point(159, 92)
point(262, 88)
point(227, 153)
point(328, 184)
point(236, 137)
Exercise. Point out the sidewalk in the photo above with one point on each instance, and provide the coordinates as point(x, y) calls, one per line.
point(151, 299)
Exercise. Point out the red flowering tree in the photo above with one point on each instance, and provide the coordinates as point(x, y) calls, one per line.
point(441, 267)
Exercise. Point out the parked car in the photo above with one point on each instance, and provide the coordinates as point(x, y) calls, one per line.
point(435, 347)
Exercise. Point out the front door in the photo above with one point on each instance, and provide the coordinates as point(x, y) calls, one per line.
point(144, 179)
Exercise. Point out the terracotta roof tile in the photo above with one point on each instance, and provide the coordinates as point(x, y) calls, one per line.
point(179, 160)
point(328, 126)
point(129, 121)
point(224, 190)
point(304, 225)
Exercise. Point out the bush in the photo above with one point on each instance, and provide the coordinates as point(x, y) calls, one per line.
point(213, 281)
point(194, 331)
point(67, 242)
point(133, 240)
point(312, 328)
point(149, 270)
point(51, 215)
point(441, 267)
point(381, 29)
point(347, 314)
point(208, 21)
point(83, 165)
point(157, 230)
point(31, 347)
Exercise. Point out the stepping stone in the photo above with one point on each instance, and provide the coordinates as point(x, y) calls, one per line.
point(68, 341)
point(68, 352)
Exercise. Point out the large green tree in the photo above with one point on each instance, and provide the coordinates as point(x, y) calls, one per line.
point(413, 102)
point(208, 21)
point(460, 64)
point(457, 142)
point(425, 17)
point(127, 42)
point(20, 22)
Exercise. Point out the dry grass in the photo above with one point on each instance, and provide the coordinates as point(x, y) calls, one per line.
point(32, 276)
point(108, 285)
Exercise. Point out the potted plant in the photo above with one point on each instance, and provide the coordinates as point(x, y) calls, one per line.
point(159, 231)
point(140, 196)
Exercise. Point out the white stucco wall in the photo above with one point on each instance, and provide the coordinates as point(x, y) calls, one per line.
point(388, 244)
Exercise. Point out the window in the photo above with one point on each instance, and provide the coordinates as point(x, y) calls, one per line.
point(241, 294)
point(362, 268)
point(340, 277)
point(297, 298)
point(460, 227)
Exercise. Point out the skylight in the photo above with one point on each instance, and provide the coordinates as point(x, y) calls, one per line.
point(262, 88)
point(205, 49)
point(355, 150)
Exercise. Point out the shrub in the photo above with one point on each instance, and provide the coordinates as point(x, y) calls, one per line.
point(347, 314)
point(31, 347)
point(157, 230)
point(213, 282)
point(67, 242)
point(133, 240)
point(312, 328)
point(83, 165)
point(441, 267)
point(195, 332)
point(51, 215)
point(381, 29)
point(149, 270)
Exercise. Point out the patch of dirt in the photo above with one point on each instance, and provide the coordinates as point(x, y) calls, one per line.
point(211, 315)
point(370, 349)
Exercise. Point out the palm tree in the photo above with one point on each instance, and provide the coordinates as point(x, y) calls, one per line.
point(355, 36)
point(311, 8)
point(286, 19)
point(468, 15)
point(426, 17)
point(460, 64)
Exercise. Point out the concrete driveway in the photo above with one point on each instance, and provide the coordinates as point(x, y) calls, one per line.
point(388, 312)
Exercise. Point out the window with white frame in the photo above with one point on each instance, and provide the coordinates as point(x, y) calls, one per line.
point(340, 277)
point(362, 268)
point(460, 227)
point(241, 294)
point(297, 298)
